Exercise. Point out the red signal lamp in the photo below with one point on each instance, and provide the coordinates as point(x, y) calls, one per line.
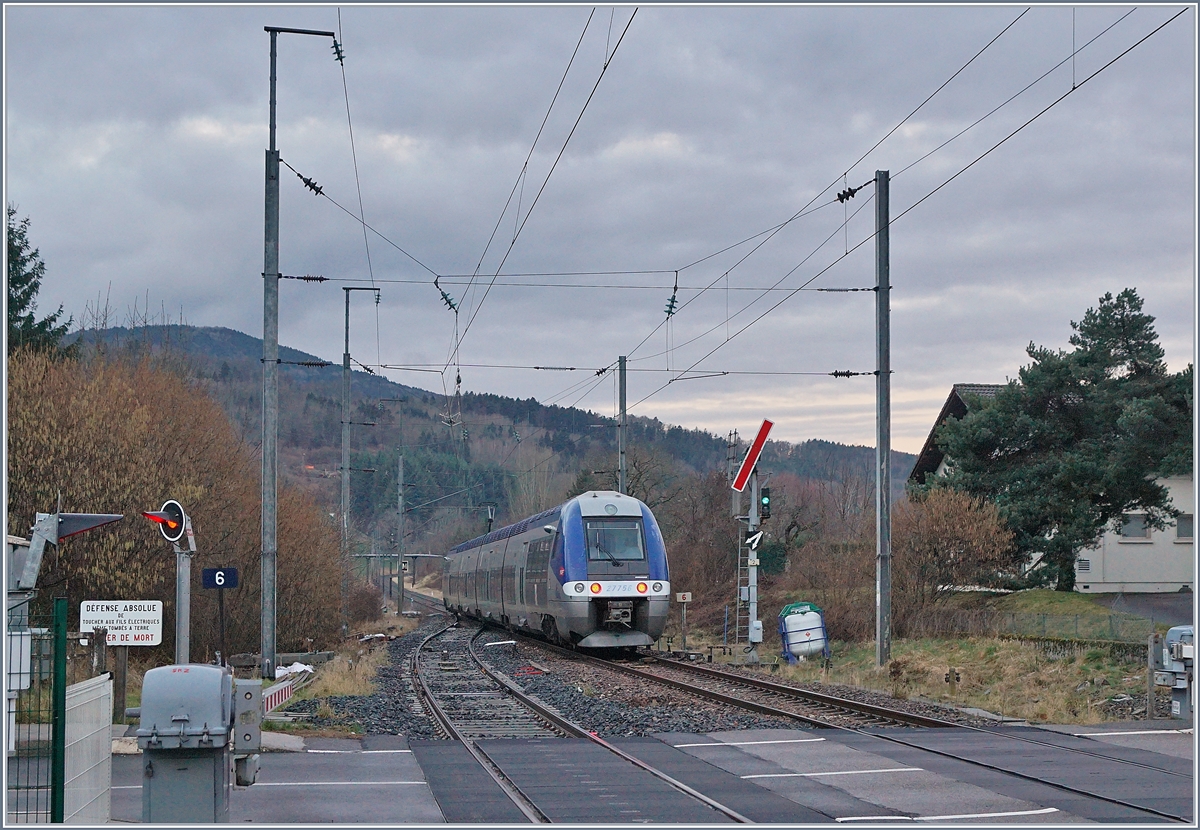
point(171, 520)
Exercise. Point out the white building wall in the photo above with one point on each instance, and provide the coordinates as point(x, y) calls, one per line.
point(1162, 562)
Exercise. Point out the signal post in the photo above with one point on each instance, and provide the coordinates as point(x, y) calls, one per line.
point(749, 538)
point(174, 524)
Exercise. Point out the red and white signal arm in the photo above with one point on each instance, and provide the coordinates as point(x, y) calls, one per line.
point(756, 448)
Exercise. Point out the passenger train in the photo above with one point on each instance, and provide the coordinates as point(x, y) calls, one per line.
point(591, 572)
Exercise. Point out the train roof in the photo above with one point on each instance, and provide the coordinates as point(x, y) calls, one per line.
point(510, 530)
point(543, 517)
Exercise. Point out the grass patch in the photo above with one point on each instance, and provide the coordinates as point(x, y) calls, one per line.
point(1046, 601)
point(352, 670)
point(1006, 677)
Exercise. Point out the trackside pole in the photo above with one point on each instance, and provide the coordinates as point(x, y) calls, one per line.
point(883, 417)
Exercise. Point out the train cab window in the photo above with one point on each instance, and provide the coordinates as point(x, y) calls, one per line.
point(615, 540)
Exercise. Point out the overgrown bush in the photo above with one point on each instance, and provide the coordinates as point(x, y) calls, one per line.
point(363, 603)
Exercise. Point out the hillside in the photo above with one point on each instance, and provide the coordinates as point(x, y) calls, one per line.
point(459, 455)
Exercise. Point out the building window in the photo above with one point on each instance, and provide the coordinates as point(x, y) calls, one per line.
point(1183, 527)
point(1134, 528)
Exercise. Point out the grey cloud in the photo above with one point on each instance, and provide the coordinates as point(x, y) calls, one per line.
point(135, 141)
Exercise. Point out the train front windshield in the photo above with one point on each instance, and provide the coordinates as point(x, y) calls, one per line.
point(618, 540)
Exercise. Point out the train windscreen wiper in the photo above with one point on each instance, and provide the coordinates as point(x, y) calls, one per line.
point(611, 558)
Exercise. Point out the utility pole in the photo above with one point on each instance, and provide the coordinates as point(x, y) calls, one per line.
point(622, 481)
point(270, 418)
point(883, 421)
point(400, 529)
point(346, 453)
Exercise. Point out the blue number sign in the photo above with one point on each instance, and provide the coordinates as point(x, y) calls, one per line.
point(219, 578)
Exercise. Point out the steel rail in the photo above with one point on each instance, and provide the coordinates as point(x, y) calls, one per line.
point(856, 706)
point(934, 722)
point(881, 736)
point(729, 699)
point(1034, 778)
point(915, 719)
point(579, 732)
point(816, 697)
point(802, 693)
point(510, 789)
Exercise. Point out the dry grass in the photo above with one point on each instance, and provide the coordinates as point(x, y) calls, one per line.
point(352, 670)
point(1006, 677)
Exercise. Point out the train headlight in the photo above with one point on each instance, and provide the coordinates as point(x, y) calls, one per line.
point(595, 587)
point(642, 587)
point(657, 587)
point(579, 587)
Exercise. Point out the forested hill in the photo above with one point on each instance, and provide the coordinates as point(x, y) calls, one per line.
point(477, 443)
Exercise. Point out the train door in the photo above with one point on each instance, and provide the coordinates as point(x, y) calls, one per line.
point(477, 577)
point(505, 590)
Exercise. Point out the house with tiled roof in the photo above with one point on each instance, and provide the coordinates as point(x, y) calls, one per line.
point(1133, 559)
point(932, 459)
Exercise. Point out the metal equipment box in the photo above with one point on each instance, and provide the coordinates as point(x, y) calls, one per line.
point(188, 706)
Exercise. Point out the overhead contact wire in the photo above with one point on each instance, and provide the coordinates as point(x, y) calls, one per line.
point(362, 216)
point(773, 231)
point(536, 198)
point(983, 155)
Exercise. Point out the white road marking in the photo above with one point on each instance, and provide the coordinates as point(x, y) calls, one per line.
point(753, 743)
point(332, 783)
point(841, 772)
point(355, 751)
point(1040, 812)
point(1138, 732)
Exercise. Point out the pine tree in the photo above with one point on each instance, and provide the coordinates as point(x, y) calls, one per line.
point(1080, 439)
point(25, 273)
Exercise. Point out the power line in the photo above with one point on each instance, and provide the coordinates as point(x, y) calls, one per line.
point(416, 367)
point(584, 285)
point(603, 70)
point(362, 216)
point(1031, 84)
point(926, 196)
point(790, 291)
point(525, 165)
point(770, 233)
point(936, 91)
point(317, 190)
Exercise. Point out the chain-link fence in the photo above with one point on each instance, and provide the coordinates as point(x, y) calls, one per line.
point(36, 701)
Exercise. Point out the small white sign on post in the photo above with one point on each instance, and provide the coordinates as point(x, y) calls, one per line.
point(130, 622)
point(685, 596)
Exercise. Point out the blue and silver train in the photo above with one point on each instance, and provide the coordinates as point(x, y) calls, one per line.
point(591, 572)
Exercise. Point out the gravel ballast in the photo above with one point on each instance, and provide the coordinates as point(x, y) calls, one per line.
point(610, 704)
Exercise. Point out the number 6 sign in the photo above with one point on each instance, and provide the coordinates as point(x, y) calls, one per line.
point(219, 578)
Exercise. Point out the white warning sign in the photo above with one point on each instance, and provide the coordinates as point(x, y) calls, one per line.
point(130, 622)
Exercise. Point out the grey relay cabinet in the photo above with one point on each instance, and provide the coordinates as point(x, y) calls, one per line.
point(187, 741)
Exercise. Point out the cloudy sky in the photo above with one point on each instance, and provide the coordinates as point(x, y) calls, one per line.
point(135, 138)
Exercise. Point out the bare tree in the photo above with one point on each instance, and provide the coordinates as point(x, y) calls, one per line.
point(941, 540)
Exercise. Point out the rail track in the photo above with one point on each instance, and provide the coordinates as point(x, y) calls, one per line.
point(825, 711)
point(471, 703)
